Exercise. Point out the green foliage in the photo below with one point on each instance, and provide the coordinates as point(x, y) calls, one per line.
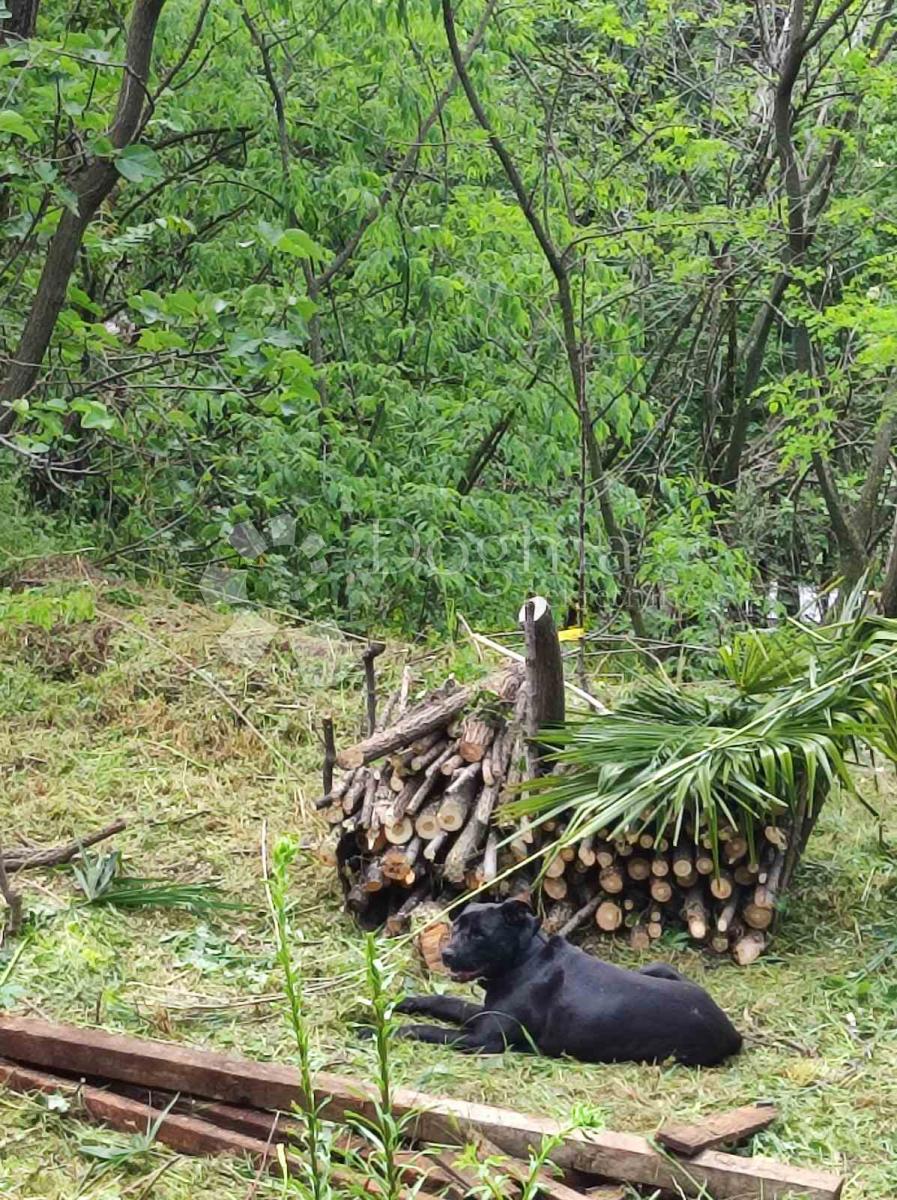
point(767, 746)
point(413, 413)
point(47, 606)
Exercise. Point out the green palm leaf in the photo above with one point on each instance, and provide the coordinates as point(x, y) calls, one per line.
point(771, 739)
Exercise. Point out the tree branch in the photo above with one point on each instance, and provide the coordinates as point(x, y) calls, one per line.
point(91, 185)
point(409, 162)
point(572, 346)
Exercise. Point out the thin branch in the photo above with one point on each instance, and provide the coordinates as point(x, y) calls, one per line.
point(409, 162)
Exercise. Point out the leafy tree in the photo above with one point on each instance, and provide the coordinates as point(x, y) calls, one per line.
point(594, 298)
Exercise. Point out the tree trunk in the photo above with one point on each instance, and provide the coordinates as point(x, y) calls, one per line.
point(572, 342)
point(888, 599)
point(91, 185)
point(21, 22)
point(544, 667)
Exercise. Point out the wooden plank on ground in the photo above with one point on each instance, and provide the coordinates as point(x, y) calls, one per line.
point(733, 1126)
point(193, 1136)
point(620, 1156)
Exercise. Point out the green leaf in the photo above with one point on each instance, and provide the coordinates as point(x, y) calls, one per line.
point(138, 163)
point(94, 414)
point(298, 244)
point(14, 123)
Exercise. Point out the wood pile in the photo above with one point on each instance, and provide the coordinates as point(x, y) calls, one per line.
point(720, 892)
point(415, 811)
point(417, 815)
point(203, 1103)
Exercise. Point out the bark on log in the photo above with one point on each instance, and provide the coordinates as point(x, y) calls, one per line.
point(453, 763)
point(458, 798)
point(434, 845)
point(424, 758)
point(694, 911)
point(465, 846)
point(426, 718)
point(759, 912)
point(490, 858)
point(581, 916)
point(476, 736)
point(329, 754)
point(639, 938)
point(749, 947)
point(544, 667)
point(727, 913)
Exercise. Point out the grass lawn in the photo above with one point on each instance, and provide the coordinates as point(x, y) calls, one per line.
point(130, 710)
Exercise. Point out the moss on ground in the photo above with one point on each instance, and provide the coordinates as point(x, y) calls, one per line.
point(145, 724)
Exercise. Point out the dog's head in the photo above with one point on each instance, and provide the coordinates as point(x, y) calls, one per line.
point(489, 939)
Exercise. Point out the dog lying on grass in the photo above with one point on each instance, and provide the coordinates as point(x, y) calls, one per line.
point(544, 994)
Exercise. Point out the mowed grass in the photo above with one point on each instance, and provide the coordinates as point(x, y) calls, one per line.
point(144, 721)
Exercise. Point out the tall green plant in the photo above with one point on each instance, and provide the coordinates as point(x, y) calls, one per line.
point(316, 1162)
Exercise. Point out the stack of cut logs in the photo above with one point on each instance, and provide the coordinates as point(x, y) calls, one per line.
point(422, 821)
point(417, 816)
point(641, 884)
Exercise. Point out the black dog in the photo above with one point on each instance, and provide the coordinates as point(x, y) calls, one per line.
point(544, 994)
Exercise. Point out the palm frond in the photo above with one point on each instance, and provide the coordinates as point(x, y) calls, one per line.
point(769, 743)
point(198, 898)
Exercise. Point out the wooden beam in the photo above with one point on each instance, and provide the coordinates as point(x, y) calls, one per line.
point(733, 1126)
point(621, 1156)
point(195, 1136)
point(551, 1188)
point(188, 1135)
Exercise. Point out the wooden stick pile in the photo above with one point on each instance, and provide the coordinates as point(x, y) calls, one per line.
point(417, 816)
point(640, 884)
point(200, 1102)
point(422, 821)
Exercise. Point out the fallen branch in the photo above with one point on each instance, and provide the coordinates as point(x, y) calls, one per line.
point(23, 859)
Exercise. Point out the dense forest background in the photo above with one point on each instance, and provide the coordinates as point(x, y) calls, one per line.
point(387, 311)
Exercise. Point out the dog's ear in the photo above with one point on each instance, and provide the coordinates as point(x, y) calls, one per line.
point(516, 912)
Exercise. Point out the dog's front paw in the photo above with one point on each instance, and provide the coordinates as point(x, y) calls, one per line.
point(410, 1004)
